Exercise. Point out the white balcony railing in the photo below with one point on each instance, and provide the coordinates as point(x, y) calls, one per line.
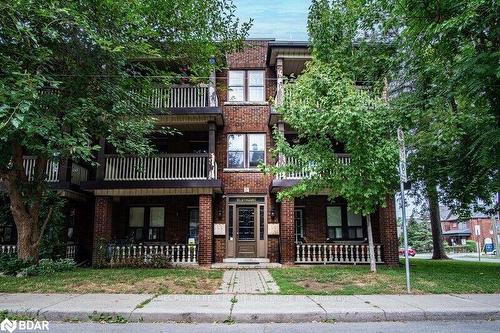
point(306, 170)
point(162, 167)
point(330, 253)
point(7, 249)
point(176, 254)
point(51, 170)
point(11, 249)
point(183, 96)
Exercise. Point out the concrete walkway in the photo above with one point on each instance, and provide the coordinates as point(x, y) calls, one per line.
point(254, 308)
point(248, 281)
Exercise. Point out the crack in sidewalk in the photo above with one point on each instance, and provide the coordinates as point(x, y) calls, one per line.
point(319, 305)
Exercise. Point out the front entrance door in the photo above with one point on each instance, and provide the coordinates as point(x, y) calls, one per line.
point(246, 245)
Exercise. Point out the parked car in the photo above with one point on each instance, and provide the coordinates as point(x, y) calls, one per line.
point(411, 252)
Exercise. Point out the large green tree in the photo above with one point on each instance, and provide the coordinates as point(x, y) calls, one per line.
point(74, 71)
point(334, 103)
point(446, 76)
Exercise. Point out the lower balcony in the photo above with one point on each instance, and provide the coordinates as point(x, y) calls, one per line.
point(54, 171)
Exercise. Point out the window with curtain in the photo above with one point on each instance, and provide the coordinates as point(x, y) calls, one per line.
point(256, 86)
point(156, 228)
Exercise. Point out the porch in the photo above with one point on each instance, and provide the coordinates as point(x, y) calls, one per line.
point(327, 232)
point(152, 230)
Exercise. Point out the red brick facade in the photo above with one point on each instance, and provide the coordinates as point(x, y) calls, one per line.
point(103, 224)
point(111, 216)
point(287, 232)
point(388, 232)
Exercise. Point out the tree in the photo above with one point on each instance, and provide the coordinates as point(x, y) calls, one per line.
point(74, 71)
point(326, 106)
point(447, 68)
point(419, 235)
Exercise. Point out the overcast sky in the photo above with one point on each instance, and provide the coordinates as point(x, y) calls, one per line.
point(279, 19)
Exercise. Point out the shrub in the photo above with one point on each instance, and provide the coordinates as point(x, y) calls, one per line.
point(10, 264)
point(471, 246)
point(48, 266)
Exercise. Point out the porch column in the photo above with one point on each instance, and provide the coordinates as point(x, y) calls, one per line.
point(287, 232)
point(205, 233)
point(281, 157)
point(388, 232)
point(279, 85)
point(103, 223)
point(65, 170)
point(211, 150)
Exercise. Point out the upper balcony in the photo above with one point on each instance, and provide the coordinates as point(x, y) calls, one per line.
point(184, 104)
point(59, 174)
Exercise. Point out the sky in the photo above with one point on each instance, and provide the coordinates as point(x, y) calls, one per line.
point(279, 19)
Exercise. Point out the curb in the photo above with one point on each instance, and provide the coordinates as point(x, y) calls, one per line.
point(277, 317)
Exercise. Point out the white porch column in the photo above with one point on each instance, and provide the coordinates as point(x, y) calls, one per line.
point(279, 87)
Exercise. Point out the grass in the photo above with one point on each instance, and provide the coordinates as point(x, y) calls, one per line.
point(427, 277)
point(118, 280)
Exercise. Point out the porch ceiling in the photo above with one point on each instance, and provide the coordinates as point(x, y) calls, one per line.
point(192, 118)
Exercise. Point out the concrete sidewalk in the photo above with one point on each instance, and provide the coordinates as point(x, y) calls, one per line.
point(254, 308)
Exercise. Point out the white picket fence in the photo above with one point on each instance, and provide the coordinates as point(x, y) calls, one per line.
point(178, 254)
point(163, 167)
point(329, 253)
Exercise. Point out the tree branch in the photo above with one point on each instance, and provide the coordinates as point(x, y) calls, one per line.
point(42, 229)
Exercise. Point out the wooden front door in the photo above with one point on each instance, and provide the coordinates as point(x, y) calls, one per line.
point(246, 245)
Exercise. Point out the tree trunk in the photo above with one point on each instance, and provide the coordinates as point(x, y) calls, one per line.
point(371, 248)
point(25, 201)
point(437, 232)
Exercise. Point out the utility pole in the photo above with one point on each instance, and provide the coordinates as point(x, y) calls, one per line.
point(403, 179)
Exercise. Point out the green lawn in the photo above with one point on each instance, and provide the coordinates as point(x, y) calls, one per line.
point(118, 280)
point(427, 276)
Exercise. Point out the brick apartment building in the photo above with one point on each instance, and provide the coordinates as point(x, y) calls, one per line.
point(202, 199)
point(456, 231)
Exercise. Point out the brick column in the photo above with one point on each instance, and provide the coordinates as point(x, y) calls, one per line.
point(287, 232)
point(103, 223)
point(206, 230)
point(388, 232)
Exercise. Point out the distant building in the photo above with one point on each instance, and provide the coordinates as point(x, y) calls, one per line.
point(456, 231)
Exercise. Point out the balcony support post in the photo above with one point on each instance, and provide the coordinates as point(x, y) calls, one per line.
point(212, 93)
point(211, 147)
point(279, 86)
point(101, 160)
point(65, 170)
point(281, 129)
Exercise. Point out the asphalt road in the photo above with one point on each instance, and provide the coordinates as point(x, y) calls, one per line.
point(462, 257)
point(382, 327)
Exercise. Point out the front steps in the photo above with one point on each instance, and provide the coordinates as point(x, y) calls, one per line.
point(255, 263)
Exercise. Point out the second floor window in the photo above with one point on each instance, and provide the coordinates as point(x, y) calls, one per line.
point(245, 150)
point(246, 86)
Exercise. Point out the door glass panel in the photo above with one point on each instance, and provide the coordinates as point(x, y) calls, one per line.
point(246, 223)
point(261, 222)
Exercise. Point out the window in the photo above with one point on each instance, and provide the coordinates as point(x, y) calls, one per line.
point(245, 150)
point(71, 226)
point(136, 222)
point(344, 224)
point(299, 224)
point(246, 86)
point(156, 229)
point(354, 225)
point(194, 223)
point(236, 86)
point(147, 223)
point(334, 222)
